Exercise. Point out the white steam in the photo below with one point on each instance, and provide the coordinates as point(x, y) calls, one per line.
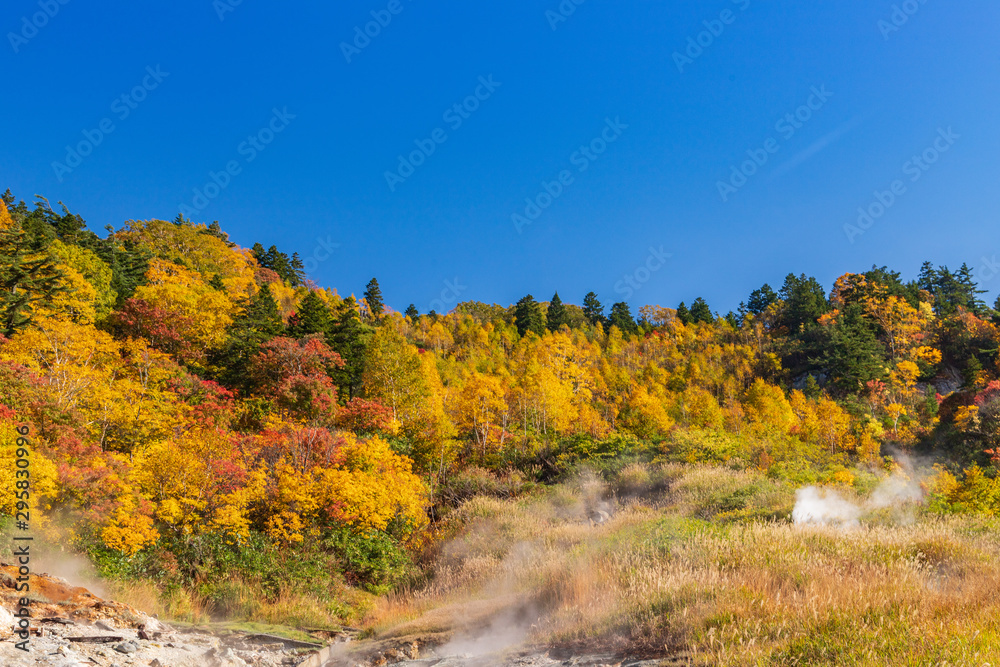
point(814, 505)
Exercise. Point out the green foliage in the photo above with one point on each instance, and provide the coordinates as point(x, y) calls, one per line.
point(621, 317)
point(373, 559)
point(556, 316)
point(592, 309)
point(528, 316)
point(349, 338)
point(373, 297)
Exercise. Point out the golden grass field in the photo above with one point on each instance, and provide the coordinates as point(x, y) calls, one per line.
point(703, 564)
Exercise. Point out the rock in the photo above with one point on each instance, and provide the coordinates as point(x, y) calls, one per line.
point(127, 648)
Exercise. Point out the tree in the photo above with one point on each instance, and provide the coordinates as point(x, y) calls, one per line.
point(852, 352)
point(683, 314)
point(556, 315)
point(393, 375)
point(621, 317)
point(761, 299)
point(528, 316)
point(257, 322)
point(412, 312)
point(27, 278)
point(373, 297)
point(700, 312)
point(312, 317)
point(592, 309)
point(295, 374)
point(349, 338)
point(805, 302)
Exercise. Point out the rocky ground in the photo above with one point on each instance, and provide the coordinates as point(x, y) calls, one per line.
point(72, 627)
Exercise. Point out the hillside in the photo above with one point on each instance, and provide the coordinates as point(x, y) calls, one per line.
point(222, 438)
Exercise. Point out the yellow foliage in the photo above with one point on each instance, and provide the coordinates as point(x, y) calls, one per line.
point(42, 473)
point(6, 222)
point(203, 314)
point(967, 417)
point(129, 531)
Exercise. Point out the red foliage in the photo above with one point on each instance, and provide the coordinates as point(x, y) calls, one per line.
point(265, 276)
point(295, 374)
point(988, 395)
point(303, 448)
point(227, 477)
point(140, 319)
point(363, 416)
point(211, 404)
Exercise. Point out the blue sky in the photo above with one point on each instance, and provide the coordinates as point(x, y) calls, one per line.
point(880, 96)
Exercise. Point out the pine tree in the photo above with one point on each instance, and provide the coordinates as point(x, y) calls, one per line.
point(556, 315)
point(412, 312)
point(700, 312)
point(683, 314)
point(349, 338)
point(313, 317)
point(259, 321)
point(528, 316)
point(852, 352)
point(761, 299)
point(26, 278)
point(298, 270)
point(216, 283)
point(621, 317)
point(593, 310)
point(805, 302)
point(373, 297)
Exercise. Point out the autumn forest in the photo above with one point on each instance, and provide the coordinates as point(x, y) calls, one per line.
point(201, 410)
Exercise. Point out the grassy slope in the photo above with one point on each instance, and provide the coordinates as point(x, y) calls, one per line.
point(704, 562)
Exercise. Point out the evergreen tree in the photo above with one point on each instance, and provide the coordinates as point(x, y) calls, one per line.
point(528, 316)
point(259, 321)
point(852, 352)
point(297, 270)
point(216, 283)
point(761, 299)
point(26, 278)
point(592, 309)
point(556, 316)
point(412, 312)
point(373, 297)
point(812, 389)
point(621, 317)
point(700, 312)
point(313, 317)
point(805, 302)
point(683, 314)
point(349, 338)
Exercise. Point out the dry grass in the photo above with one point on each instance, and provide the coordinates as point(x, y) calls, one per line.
point(694, 568)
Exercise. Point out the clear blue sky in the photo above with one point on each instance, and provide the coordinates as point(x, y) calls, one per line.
point(323, 175)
